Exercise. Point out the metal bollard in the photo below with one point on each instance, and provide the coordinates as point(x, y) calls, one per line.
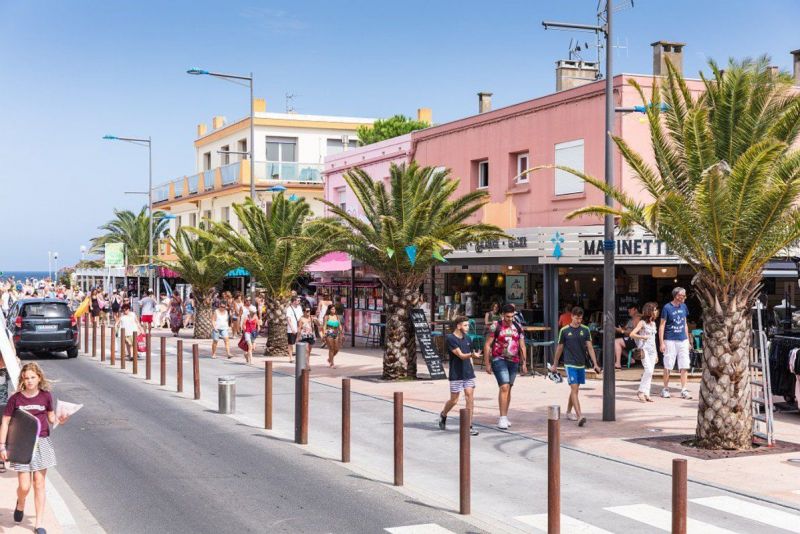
point(122, 348)
point(345, 420)
point(196, 370)
point(163, 361)
point(465, 484)
point(180, 366)
point(113, 347)
point(227, 394)
point(304, 375)
point(398, 438)
point(268, 396)
point(678, 496)
point(553, 469)
point(148, 367)
point(102, 343)
point(301, 356)
point(94, 339)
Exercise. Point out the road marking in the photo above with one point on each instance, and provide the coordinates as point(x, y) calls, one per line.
point(754, 512)
point(568, 524)
point(662, 519)
point(427, 528)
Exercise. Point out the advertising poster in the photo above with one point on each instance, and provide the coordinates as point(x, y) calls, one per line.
point(516, 285)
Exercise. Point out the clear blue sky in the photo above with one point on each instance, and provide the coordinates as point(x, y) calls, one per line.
point(73, 71)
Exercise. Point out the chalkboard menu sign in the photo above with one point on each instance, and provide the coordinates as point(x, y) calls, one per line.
point(425, 344)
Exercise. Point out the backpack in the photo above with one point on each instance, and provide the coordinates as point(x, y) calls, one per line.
point(497, 333)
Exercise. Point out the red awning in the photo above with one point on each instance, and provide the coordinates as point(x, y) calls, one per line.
point(331, 262)
point(166, 272)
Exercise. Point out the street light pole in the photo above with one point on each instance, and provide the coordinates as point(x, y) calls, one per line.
point(609, 276)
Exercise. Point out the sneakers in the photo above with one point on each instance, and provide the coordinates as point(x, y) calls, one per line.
point(665, 393)
point(502, 423)
point(473, 431)
point(685, 394)
point(572, 416)
point(442, 422)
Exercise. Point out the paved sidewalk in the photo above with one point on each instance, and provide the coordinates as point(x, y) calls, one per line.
point(8, 497)
point(767, 475)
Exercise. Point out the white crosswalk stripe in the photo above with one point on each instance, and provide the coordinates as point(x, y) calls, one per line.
point(568, 524)
point(662, 519)
point(752, 511)
point(427, 528)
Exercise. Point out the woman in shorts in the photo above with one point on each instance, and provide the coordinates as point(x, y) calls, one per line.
point(333, 333)
point(221, 327)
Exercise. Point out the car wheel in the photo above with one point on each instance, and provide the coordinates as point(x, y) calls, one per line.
point(72, 353)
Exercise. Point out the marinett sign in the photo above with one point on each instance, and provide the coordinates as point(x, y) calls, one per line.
point(569, 245)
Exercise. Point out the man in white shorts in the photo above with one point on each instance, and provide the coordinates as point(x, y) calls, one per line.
point(673, 331)
point(462, 374)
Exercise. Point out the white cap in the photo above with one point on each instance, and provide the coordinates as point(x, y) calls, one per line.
point(253, 309)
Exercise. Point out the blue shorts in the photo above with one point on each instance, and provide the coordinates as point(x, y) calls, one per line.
point(576, 375)
point(505, 372)
point(219, 333)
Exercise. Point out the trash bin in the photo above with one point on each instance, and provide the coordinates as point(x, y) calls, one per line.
point(227, 394)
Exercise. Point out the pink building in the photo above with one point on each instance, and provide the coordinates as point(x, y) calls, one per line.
point(551, 259)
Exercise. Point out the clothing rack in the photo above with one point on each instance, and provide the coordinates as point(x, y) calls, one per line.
point(783, 382)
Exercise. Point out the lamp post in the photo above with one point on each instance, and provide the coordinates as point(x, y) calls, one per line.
point(609, 323)
point(149, 143)
point(55, 260)
point(50, 264)
point(236, 79)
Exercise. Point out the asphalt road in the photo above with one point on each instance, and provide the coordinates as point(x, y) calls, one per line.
point(143, 460)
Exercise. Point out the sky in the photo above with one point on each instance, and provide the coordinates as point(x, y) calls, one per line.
point(73, 71)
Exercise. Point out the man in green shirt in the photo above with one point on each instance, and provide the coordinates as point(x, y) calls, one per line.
point(574, 342)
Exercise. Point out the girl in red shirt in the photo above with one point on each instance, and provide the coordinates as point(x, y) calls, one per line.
point(251, 326)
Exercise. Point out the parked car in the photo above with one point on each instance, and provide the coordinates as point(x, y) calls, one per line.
point(43, 325)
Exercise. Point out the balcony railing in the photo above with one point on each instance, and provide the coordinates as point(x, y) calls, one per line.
point(161, 193)
point(192, 182)
point(230, 173)
point(208, 179)
point(289, 171)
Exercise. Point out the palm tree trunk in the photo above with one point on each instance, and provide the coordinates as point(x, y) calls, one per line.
point(724, 417)
point(400, 357)
point(202, 319)
point(277, 344)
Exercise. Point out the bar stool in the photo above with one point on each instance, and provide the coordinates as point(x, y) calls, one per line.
point(374, 338)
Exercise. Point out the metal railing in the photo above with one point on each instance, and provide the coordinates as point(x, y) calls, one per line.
point(193, 181)
point(208, 179)
point(230, 173)
point(161, 193)
point(289, 171)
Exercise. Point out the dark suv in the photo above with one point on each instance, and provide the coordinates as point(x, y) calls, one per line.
point(40, 325)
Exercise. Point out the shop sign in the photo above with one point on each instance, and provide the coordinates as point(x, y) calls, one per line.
point(425, 344)
point(114, 254)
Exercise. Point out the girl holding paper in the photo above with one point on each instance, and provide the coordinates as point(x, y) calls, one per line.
point(33, 395)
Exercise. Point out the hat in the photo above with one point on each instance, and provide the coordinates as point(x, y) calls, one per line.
point(252, 309)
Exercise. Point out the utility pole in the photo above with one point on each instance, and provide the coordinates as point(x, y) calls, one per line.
point(609, 277)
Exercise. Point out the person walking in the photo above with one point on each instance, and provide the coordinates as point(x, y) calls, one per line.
point(645, 335)
point(503, 352)
point(5, 378)
point(574, 342)
point(293, 314)
point(462, 374)
point(673, 331)
point(147, 307)
point(116, 305)
point(220, 331)
point(305, 329)
point(33, 395)
point(333, 333)
point(130, 323)
point(251, 325)
point(188, 315)
point(175, 314)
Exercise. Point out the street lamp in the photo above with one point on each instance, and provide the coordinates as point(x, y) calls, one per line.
point(251, 155)
point(149, 143)
point(236, 79)
point(55, 259)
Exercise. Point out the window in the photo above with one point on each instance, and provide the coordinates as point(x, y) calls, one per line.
point(241, 146)
point(282, 149)
point(522, 166)
point(341, 197)
point(193, 219)
point(226, 214)
point(206, 161)
point(569, 154)
point(207, 214)
point(225, 157)
point(353, 143)
point(177, 223)
point(335, 146)
point(483, 174)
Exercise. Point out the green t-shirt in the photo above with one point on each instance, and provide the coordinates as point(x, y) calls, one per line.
point(574, 341)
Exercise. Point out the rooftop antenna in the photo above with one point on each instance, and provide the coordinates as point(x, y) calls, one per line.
point(290, 101)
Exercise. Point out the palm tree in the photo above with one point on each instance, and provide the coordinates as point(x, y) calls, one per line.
point(275, 247)
point(724, 195)
point(131, 230)
point(199, 264)
point(419, 211)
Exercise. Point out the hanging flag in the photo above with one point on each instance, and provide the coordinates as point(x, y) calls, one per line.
point(389, 252)
point(292, 197)
point(438, 255)
point(411, 252)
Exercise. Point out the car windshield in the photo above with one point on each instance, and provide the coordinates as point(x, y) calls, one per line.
point(47, 310)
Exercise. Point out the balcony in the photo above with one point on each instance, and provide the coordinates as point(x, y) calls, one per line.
point(289, 172)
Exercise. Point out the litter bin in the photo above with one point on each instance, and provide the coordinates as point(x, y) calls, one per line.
point(227, 394)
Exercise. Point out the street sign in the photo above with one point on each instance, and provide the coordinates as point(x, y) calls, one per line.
point(425, 343)
point(114, 255)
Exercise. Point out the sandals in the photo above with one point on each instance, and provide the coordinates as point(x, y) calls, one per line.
point(641, 396)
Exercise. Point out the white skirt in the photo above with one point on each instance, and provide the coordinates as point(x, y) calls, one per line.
point(44, 457)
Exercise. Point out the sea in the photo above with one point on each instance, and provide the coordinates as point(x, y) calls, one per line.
point(22, 275)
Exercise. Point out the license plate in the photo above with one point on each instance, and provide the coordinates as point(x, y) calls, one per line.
point(40, 327)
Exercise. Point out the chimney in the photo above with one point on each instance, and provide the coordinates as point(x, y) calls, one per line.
point(201, 129)
point(425, 115)
point(663, 50)
point(218, 121)
point(484, 102)
point(574, 73)
point(774, 70)
point(259, 105)
point(796, 65)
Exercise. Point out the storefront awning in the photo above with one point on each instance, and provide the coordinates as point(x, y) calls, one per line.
point(331, 262)
point(238, 272)
point(166, 272)
point(780, 268)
